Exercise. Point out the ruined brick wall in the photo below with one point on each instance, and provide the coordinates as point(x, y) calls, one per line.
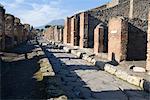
point(121, 9)
point(2, 28)
point(49, 33)
point(148, 45)
point(9, 30)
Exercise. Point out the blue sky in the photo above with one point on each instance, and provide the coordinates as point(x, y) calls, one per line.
point(40, 12)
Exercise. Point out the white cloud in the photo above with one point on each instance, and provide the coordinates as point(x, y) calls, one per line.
point(40, 14)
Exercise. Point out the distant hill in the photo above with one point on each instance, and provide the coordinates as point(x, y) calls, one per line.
point(54, 22)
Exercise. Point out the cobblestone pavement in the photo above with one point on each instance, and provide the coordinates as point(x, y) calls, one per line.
point(82, 80)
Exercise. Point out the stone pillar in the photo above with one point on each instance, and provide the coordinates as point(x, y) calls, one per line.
point(16, 30)
point(148, 45)
point(67, 31)
point(117, 39)
point(98, 39)
point(75, 31)
point(27, 27)
point(84, 30)
point(2, 28)
point(9, 30)
point(21, 30)
point(61, 34)
point(56, 34)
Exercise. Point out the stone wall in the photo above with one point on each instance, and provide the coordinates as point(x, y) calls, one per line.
point(9, 30)
point(148, 45)
point(139, 9)
point(49, 33)
point(2, 28)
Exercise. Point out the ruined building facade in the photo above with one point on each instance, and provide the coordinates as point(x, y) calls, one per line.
point(117, 29)
point(12, 31)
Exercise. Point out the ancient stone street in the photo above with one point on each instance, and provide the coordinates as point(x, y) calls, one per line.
point(81, 79)
point(75, 50)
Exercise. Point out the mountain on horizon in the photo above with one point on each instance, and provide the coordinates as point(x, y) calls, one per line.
point(53, 22)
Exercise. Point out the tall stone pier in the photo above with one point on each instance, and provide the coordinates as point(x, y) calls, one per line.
point(56, 33)
point(148, 45)
point(98, 39)
point(16, 30)
point(21, 28)
point(84, 33)
point(75, 30)
point(2, 28)
point(117, 39)
point(67, 31)
point(61, 34)
point(9, 30)
point(27, 27)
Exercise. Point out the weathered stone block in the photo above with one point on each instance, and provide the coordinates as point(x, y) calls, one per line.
point(121, 74)
point(134, 80)
point(98, 39)
point(117, 39)
point(110, 69)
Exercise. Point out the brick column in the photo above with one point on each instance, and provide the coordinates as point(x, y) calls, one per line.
point(9, 30)
point(117, 39)
point(2, 28)
point(148, 45)
point(67, 31)
point(75, 31)
point(84, 30)
point(98, 39)
point(61, 34)
point(56, 34)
